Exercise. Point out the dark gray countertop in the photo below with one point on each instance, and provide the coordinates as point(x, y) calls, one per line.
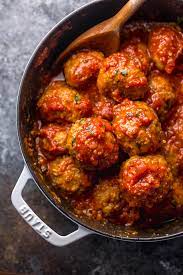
point(22, 24)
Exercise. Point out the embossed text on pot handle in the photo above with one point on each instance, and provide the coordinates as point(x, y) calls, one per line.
point(35, 222)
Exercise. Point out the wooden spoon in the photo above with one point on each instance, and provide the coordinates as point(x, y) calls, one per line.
point(104, 36)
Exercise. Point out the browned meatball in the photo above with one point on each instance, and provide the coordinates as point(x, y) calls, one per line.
point(68, 177)
point(52, 139)
point(165, 46)
point(160, 96)
point(120, 77)
point(60, 103)
point(92, 143)
point(137, 127)
point(145, 181)
point(138, 52)
point(83, 67)
point(106, 197)
point(104, 108)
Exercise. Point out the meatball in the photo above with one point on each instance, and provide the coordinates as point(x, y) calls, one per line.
point(104, 108)
point(160, 96)
point(52, 139)
point(137, 127)
point(138, 52)
point(60, 103)
point(120, 77)
point(165, 46)
point(93, 144)
point(83, 67)
point(145, 181)
point(106, 197)
point(173, 148)
point(68, 177)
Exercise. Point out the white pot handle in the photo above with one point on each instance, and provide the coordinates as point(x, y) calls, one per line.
point(35, 222)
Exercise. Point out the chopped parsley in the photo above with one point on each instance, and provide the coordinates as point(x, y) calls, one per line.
point(73, 141)
point(77, 98)
point(138, 114)
point(124, 72)
point(82, 120)
point(116, 72)
point(90, 130)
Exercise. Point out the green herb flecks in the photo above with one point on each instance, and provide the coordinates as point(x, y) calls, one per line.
point(82, 120)
point(124, 72)
point(116, 72)
point(73, 141)
point(137, 114)
point(90, 130)
point(77, 98)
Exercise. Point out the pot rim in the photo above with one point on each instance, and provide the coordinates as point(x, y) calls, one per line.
point(32, 172)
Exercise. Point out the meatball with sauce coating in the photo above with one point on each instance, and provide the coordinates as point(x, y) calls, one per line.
point(68, 177)
point(60, 103)
point(106, 197)
point(138, 52)
point(120, 77)
point(165, 46)
point(160, 96)
point(92, 143)
point(145, 181)
point(83, 67)
point(137, 127)
point(52, 139)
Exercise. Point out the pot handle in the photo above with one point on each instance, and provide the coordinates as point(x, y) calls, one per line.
point(35, 222)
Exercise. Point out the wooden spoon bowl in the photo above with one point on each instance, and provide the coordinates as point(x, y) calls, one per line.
point(104, 36)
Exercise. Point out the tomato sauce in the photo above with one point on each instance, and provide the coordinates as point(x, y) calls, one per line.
point(109, 137)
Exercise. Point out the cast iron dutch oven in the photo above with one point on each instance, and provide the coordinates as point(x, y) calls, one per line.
point(36, 76)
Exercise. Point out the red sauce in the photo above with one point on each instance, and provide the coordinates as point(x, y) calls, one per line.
point(165, 45)
point(112, 158)
point(83, 67)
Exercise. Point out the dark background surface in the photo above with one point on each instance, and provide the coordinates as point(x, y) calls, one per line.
point(22, 25)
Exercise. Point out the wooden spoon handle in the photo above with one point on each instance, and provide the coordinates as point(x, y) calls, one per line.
point(126, 12)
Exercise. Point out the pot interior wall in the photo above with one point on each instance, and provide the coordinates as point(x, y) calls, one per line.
point(38, 75)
